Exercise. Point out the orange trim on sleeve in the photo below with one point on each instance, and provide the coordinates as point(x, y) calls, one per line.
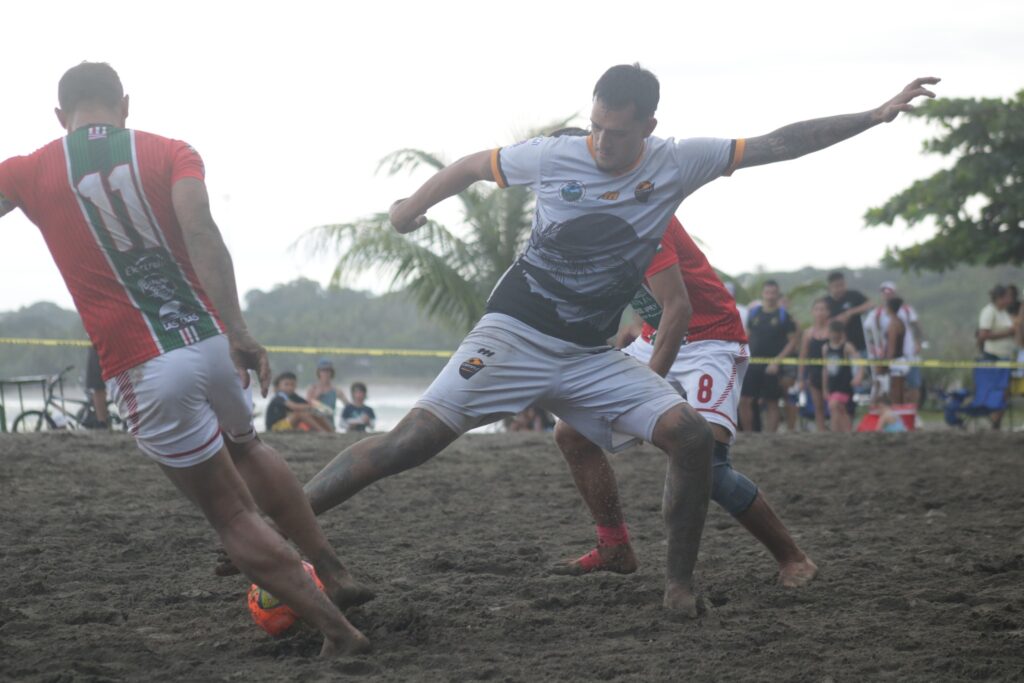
point(499, 177)
point(737, 155)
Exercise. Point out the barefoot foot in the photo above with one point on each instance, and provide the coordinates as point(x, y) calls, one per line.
point(354, 643)
point(619, 559)
point(680, 600)
point(797, 574)
point(349, 593)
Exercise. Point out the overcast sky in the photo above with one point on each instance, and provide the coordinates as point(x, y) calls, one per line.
point(292, 105)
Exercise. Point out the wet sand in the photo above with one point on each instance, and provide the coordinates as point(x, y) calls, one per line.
point(106, 571)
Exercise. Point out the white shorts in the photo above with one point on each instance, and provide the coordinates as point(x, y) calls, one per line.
point(504, 366)
point(708, 374)
point(897, 369)
point(179, 404)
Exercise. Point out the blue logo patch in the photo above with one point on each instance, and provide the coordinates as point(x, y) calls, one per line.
point(572, 191)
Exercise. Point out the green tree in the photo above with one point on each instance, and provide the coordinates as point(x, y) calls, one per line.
point(448, 276)
point(978, 204)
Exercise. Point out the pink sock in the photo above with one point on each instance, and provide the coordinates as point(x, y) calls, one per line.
point(609, 536)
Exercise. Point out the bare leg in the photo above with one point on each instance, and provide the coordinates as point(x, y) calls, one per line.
point(596, 483)
point(770, 415)
point(747, 414)
point(279, 495)
point(819, 410)
point(216, 487)
point(417, 438)
point(99, 404)
point(687, 440)
point(896, 389)
point(795, 568)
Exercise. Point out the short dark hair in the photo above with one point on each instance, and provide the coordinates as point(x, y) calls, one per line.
point(358, 386)
point(770, 283)
point(835, 275)
point(89, 82)
point(837, 326)
point(997, 292)
point(283, 376)
point(571, 131)
point(627, 84)
point(894, 304)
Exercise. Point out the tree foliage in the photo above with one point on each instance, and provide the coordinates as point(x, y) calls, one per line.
point(448, 274)
point(978, 204)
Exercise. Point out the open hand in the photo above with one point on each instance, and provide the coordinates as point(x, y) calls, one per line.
point(247, 354)
point(902, 102)
point(401, 221)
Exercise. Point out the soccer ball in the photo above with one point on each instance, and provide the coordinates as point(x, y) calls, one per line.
point(272, 615)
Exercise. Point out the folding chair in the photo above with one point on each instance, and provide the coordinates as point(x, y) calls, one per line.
point(990, 389)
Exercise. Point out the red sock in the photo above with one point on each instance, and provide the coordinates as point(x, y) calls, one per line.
point(610, 536)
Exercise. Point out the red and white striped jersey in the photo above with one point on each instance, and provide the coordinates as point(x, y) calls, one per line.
point(101, 197)
point(714, 309)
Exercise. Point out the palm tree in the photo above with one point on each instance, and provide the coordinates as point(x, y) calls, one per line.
point(449, 277)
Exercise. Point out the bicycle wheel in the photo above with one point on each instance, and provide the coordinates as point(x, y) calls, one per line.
point(33, 421)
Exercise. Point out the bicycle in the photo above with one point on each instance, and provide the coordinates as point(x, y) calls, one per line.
point(56, 413)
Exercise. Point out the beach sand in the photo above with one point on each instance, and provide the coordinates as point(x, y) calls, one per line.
point(106, 571)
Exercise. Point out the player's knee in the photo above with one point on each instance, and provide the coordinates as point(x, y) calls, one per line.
point(734, 492)
point(570, 442)
point(683, 432)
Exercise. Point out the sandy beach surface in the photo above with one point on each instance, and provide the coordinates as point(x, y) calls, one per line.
point(106, 571)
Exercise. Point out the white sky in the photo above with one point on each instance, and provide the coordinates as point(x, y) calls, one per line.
point(292, 104)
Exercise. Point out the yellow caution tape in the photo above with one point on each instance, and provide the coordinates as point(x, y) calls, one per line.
point(423, 353)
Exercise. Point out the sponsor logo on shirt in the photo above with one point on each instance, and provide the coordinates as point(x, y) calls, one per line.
point(572, 191)
point(485, 352)
point(643, 191)
point(175, 315)
point(471, 367)
point(609, 196)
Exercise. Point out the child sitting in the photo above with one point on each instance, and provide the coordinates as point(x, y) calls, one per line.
point(358, 416)
point(288, 411)
point(888, 420)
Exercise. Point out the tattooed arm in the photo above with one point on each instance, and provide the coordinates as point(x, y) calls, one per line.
point(798, 139)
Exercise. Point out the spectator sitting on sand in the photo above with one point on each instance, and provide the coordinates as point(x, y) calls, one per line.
point(358, 416)
point(288, 411)
point(888, 420)
point(323, 391)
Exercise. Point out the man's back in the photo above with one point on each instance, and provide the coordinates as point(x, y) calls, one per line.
point(101, 197)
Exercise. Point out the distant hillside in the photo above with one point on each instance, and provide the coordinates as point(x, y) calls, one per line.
point(300, 313)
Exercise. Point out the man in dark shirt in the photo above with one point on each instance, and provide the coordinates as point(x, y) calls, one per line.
point(772, 334)
point(847, 306)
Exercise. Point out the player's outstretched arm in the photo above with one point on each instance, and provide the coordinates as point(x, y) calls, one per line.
point(669, 291)
point(409, 214)
point(216, 274)
point(798, 139)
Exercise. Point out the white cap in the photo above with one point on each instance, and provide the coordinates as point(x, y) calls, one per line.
point(888, 284)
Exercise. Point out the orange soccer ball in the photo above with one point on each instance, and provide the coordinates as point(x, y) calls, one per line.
point(272, 615)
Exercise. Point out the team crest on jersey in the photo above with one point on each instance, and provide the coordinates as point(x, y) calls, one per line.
point(643, 191)
point(471, 367)
point(609, 196)
point(97, 132)
point(572, 191)
point(175, 315)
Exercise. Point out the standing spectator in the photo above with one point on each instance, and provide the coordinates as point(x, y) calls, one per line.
point(838, 380)
point(895, 350)
point(323, 394)
point(1017, 311)
point(99, 418)
point(772, 334)
point(846, 306)
point(812, 342)
point(912, 341)
point(358, 416)
point(995, 326)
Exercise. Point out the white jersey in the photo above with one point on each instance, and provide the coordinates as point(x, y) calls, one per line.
point(594, 233)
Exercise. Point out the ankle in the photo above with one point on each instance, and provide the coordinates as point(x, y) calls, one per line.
point(612, 536)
